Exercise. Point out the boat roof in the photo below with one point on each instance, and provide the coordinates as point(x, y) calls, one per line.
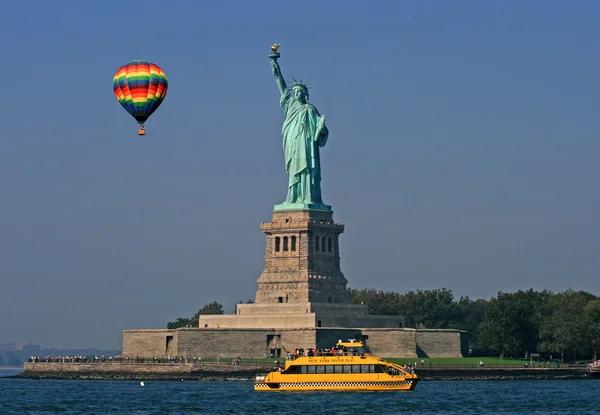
point(350, 343)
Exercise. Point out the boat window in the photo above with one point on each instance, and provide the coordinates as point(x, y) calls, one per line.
point(320, 369)
point(291, 369)
point(364, 368)
point(312, 369)
point(338, 368)
point(302, 369)
point(355, 368)
point(372, 369)
point(347, 368)
point(329, 369)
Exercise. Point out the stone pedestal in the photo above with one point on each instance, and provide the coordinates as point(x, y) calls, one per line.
point(302, 259)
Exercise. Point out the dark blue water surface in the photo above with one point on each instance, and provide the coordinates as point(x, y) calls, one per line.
point(22, 396)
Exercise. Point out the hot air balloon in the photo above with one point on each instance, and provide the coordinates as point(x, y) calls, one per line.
point(140, 87)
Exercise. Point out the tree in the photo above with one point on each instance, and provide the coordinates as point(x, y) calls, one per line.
point(470, 315)
point(497, 328)
point(211, 308)
point(436, 308)
point(431, 308)
point(512, 321)
point(565, 328)
point(378, 302)
point(516, 323)
point(180, 322)
point(592, 318)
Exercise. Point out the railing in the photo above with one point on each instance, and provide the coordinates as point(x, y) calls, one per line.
point(198, 360)
point(297, 223)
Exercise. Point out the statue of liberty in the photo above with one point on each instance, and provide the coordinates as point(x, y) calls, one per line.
point(304, 131)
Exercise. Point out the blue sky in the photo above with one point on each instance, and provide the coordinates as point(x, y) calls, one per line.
point(463, 153)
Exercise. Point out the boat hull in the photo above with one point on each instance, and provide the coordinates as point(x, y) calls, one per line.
point(404, 385)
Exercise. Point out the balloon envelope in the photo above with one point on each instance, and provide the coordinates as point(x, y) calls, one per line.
point(140, 87)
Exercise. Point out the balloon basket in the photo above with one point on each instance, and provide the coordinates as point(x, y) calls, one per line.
point(142, 131)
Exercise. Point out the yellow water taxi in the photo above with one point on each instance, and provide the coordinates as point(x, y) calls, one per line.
point(346, 367)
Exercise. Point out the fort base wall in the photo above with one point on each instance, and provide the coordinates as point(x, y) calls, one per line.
point(261, 343)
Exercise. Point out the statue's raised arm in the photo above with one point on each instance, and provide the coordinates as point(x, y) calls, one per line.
point(278, 77)
point(276, 69)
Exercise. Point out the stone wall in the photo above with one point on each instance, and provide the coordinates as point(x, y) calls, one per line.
point(257, 343)
point(273, 308)
point(391, 342)
point(226, 343)
point(441, 343)
point(146, 342)
point(105, 367)
point(247, 343)
point(342, 309)
point(144, 371)
point(291, 339)
point(259, 321)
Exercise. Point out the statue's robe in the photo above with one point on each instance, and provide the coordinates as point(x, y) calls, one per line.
point(301, 150)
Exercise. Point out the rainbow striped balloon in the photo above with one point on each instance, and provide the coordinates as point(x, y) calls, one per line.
point(140, 87)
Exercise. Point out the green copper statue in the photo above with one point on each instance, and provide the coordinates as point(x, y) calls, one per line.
point(304, 131)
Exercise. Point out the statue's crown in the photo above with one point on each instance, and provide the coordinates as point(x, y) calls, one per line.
point(299, 84)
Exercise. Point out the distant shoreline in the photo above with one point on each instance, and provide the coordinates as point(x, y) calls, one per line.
point(12, 368)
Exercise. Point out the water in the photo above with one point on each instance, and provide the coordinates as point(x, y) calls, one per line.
point(9, 371)
point(44, 397)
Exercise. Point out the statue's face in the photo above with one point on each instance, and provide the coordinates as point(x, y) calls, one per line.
point(300, 95)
